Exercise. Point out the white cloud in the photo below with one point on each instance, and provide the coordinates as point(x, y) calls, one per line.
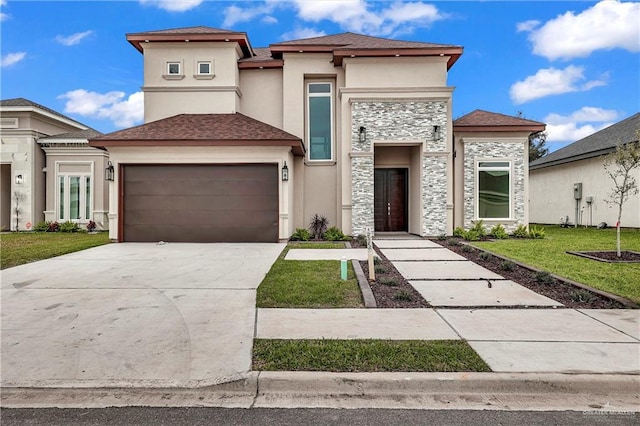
point(3, 16)
point(12, 58)
point(73, 39)
point(579, 124)
point(607, 25)
point(552, 81)
point(111, 105)
point(351, 15)
point(173, 5)
point(269, 20)
point(300, 33)
point(527, 26)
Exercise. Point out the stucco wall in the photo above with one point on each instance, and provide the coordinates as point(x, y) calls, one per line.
point(551, 195)
point(262, 95)
point(395, 72)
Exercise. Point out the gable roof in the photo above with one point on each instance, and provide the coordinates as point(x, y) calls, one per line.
point(599, 143)
point(191, 35)
point(486, 121)
point(202, 130)
point(351, 45)
point(19, 103)
point(80, 135)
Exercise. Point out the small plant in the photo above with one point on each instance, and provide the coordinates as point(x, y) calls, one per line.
point(582, 296)
point(472, 235)
point(452, 243)
point(484, 256)
point(69, 226)
point(536, 233)
point(521, 232)
point(380, 269)
point(334, 234)
point(53, 227)
point(301, 234)
point(403, 295)
point(458, 232)
point(442, 237)
point(318, 226)
point(377, 260)
point(466, 248)
point(18, 198)
point(362, 240)
point(508, 266)
point(478, 228)
point(388, 281)
point(544, 277)
point(91, 226)
point(41, 226)
point(498, 232)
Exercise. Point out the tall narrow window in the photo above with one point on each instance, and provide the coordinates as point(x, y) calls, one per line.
point(62, 200)
point(74, 197)
point(87, 197)
point(494, 190)
point(320, 121)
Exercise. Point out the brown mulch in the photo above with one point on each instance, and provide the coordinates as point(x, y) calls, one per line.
point(611, 256)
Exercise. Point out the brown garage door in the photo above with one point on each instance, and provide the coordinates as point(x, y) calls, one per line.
point(200, 203)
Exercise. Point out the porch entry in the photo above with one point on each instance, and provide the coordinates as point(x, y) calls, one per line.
point(390, 200)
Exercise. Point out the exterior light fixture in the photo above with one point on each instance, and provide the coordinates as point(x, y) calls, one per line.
point(19, 179)
point(108, 172)
point(436, 132)
point(285, 172)
point(362, 134)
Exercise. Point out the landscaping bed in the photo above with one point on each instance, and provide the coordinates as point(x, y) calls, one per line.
point(609, 256)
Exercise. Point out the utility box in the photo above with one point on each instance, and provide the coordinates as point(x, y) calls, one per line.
point(577, 191)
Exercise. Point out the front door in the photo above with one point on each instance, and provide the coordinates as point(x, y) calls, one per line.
point(390, 200)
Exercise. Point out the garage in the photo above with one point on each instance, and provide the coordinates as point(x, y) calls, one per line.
point(199, 203)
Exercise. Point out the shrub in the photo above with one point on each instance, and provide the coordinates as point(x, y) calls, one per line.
point(466, 248)
point(521, 232)
point(380, 269)
point(442, 237)
point(452, 243)
point(41, 226)
point(362, 240)
point(536, 233)
point(389, 281)
point(377, 260)
point(53, 227)
point(478, 228)
point(472, 235)
point(318, 226)
point(582, 296)
point(458, 232)
point(69, 226)
point(498, 232)
point(91, 226)
point(544, 277)
point(403, 295)
point(334, 234)
point(301, 234)
point(484, 256)
point(507, 266)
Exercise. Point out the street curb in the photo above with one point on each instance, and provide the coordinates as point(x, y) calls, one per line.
point(493, 391)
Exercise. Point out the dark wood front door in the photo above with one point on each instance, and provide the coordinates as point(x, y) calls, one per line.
point(390, 200)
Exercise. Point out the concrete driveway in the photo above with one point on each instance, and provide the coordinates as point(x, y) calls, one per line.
point(133, 314)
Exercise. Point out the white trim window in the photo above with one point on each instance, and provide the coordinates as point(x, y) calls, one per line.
point(174, 68)
point(493, 190)
point(204, 68)
point(74, 197)
point(320, 120)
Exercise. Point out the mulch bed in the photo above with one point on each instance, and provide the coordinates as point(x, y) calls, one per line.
point(401, 294)
point(609, 256)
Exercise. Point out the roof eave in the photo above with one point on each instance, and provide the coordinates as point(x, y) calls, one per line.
point(241, 38)
point(274, 63)
point(453, 53)
point(573, 158)
point(497, 128)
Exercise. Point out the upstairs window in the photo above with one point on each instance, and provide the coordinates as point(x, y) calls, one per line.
point(173, 68)
point(320, 120)
point(204, 67)
point(494, 190)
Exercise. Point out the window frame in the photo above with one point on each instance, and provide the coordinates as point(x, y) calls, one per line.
point(198, 63)
point(168, 69)
point(63, 204)
point(509, 169)
point(308, 96)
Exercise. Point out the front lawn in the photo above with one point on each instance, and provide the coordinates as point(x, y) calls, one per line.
point(550, 254)
point(18, 248)
point(308, 284)
point(365, 355)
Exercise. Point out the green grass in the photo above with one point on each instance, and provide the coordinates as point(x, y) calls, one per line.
point(550, 254)
point(18, 248)
point(310, 245)
point(365, 355)
point(308, 284)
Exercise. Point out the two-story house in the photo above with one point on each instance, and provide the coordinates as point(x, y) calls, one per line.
point(247, 144)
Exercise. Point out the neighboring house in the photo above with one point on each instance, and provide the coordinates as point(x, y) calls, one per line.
point(572, 182)
point(46, 157)
point(247, 144)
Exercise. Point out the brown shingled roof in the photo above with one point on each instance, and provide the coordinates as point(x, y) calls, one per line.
point(480, 120)
point(360, 41)
point(201, 29)
point(202, 130)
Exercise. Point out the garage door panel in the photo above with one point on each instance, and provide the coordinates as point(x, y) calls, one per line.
point(201, 203)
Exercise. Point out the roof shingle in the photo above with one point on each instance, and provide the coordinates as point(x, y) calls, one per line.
point(359, 41)
point(479, 118)
point(22, 102)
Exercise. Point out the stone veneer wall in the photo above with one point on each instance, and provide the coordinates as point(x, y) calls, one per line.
point(398, 121)
point(512, 151)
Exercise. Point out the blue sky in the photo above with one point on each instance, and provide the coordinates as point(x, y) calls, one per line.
point(573, 65)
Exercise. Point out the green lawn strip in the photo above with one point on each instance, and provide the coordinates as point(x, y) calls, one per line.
point(365, 355)
point(308, 284)
point(18, 248)
point(550, 255)
point(311, 245)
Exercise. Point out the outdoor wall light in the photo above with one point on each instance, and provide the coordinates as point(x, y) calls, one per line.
point(362, 134)
point(436, 132)
point(108, 172)
point(19, 180)
point(285, 172)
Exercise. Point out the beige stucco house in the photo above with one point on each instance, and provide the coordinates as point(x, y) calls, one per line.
point(246, 144)
point(46, 158)
point(571, 182)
